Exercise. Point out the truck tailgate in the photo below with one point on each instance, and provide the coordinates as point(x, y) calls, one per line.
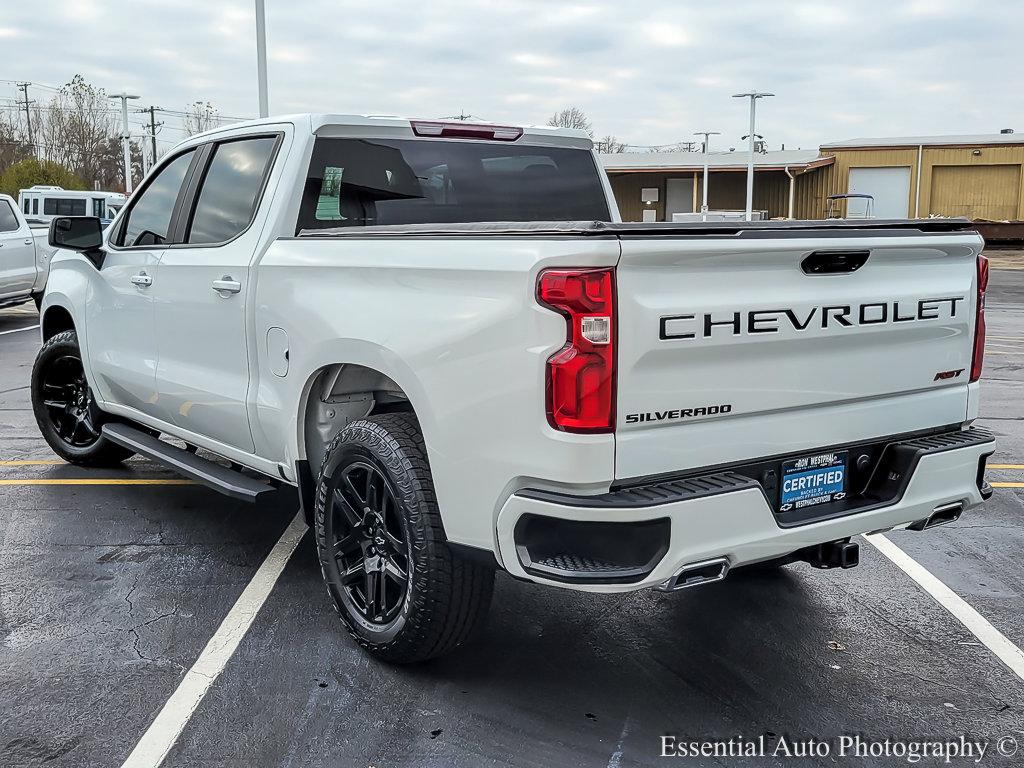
point(733, 349)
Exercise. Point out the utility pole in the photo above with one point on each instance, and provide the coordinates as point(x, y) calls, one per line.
point(753, 96)
point(261, 57)
point(28, 117)
point(706, 144)
point(126, 148)
point(153, 125)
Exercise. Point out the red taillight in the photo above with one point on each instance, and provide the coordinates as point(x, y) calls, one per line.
point(979, 321)
point(581, 375)
point(462, 130)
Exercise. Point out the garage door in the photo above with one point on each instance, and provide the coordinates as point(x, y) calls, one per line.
point(889, 186)
point(975, 191)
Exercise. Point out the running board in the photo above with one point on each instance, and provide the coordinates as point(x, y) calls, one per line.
point(220, 478)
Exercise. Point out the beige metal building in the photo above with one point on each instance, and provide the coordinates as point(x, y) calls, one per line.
point(978, 176)
point(975, 176)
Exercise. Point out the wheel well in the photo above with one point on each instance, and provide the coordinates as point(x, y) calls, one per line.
point(340, 394)
point(56, 320)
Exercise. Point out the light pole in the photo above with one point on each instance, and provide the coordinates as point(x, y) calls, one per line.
point(753, 96)
point(261, 57)
point(125, 139)
point(706, 144)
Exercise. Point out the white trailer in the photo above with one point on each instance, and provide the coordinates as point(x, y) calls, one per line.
point(42, 203)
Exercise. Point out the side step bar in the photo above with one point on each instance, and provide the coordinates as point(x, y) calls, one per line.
point(220, 478)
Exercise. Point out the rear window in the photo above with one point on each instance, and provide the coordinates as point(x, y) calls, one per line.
point(370, 182)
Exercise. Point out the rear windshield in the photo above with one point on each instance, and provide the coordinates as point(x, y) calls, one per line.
point(369, 182)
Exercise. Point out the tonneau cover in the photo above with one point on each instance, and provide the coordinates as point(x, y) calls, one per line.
point(752, 229)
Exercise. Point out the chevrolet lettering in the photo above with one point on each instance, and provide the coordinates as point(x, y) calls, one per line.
point(826, 317)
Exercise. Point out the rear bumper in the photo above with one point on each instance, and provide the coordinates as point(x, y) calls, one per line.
point(665, 526)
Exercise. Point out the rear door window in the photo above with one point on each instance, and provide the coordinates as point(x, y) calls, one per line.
point(367, 182)
point(231, 190)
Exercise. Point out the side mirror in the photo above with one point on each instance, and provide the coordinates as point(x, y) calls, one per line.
point(79, 233)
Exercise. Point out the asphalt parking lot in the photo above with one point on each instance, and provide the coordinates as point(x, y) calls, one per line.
point(109, 592)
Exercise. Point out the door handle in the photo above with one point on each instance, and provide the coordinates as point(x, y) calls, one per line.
point(142, 280)
point(28, 241)
point(226, 285)
point(834, 262)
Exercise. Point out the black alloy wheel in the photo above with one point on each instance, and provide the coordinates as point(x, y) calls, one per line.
point(399, 589)
point(69, 402)
point(66, 412)
point(370, 543)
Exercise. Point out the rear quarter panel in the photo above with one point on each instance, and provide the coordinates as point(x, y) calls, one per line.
point(456, 324)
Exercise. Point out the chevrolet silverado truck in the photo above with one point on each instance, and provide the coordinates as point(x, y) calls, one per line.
point(442, 336)
point(24, 257)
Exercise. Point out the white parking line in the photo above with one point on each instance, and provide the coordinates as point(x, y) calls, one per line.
point(157, 741)
point(16, 330)
point(992, 638)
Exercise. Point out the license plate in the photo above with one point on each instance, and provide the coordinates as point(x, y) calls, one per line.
point(813, 480)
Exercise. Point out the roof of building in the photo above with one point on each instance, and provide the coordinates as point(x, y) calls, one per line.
point(692, 161)
point(929, 141)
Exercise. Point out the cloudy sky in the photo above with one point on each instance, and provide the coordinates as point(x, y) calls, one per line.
point(650, 72)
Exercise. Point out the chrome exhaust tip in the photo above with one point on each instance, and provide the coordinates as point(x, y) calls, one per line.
point(941, 515)
point(697, 575)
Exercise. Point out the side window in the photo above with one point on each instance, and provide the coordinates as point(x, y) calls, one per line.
point(97, 207)
point(8, 221)
point(62, 206)
point(26, 205)
point(231, 189)
point(35, 206)
point(149, 219)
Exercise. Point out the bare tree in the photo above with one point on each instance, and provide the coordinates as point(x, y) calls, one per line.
point(200, 116)
point(572, 117)
point(14, 145)
point(72, 127)
point(610, 145)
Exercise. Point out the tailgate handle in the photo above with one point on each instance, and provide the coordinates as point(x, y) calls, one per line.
point(834, 262)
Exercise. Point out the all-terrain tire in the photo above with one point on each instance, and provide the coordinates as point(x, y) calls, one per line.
point(446, 598)
point(87, 447)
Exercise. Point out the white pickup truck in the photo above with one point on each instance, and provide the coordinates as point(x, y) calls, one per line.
point(24, 257)
point(441, 334)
